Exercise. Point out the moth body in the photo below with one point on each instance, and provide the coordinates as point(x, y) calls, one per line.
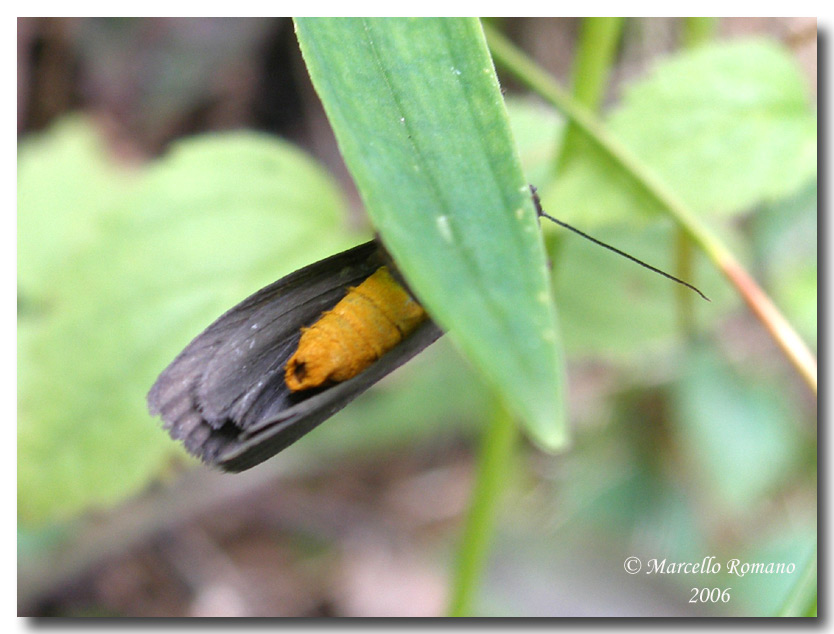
point(368, 322)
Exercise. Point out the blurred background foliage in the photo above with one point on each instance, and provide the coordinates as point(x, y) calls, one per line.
point(169, 167)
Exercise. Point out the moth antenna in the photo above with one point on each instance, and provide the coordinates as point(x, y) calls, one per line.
point(541, 214)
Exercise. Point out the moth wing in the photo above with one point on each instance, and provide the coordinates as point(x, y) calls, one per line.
point(229, 382)
point(229, 364)
point(279, 429)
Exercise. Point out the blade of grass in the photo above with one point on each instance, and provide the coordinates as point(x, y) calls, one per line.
point(527, 72)
point(595, 53)
point(493, 466)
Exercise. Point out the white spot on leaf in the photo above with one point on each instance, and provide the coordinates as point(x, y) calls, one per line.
point(444, 228)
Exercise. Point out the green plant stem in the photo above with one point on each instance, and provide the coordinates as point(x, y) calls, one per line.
point(802, 601)
point(696, 31)
point(683, 269)
point(595, 53)
point(492, 472)
point(527, 72)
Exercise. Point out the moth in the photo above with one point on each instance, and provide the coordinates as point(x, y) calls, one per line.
point(293, 354)
point(248, 386)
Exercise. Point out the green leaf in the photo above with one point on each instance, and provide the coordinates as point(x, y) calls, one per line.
point(741, 437)
point(212, 222)
point(420, 122)
point(725, 126)
point(66, 182)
